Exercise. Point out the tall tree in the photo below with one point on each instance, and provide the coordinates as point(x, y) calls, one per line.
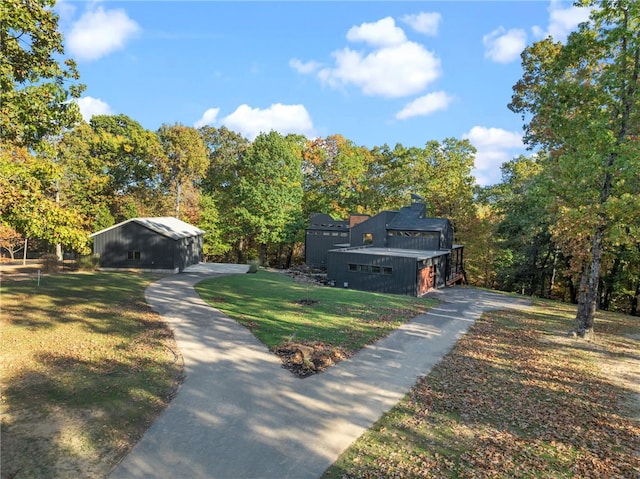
point(35, 88)
point(133, 160)
point(269, 193)
point(446, 181)
point(28, 205)
point(581, 102)
point(226, 149)
point(186, 158)
point(521, 201)
point(335, 176)
point(85, 182)
point(391, 177)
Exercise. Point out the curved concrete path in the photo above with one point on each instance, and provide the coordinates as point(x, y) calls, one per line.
point(240, 415)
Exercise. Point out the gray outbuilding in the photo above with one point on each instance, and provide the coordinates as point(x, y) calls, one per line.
point(160, 243)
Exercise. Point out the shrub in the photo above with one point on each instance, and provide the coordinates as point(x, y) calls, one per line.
point(253, 266)
point(50, 263)
point(88, 262)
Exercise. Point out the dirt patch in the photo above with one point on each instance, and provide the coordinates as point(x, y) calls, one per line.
point(310, 357)
point(620, 365)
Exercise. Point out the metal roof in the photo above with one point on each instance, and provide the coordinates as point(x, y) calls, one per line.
point(165, 225)
point(412, 218)
point(394, 252)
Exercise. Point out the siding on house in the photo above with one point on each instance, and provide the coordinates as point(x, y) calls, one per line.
point(376, 227)
point(400, 252)
point(324, 233)
point(384, 270)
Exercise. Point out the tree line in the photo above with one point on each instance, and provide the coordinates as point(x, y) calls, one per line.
point(563, 223)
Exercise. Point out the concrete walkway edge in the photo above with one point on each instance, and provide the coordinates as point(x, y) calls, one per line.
point(240, 415)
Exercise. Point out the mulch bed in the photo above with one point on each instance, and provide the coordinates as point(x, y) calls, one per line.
point(309, 357)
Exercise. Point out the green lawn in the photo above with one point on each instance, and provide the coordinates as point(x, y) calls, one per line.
point(279, 310)
point(86, 365)
point(515, 398)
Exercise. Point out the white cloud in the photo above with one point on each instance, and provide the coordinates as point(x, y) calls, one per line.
point(562, 21)
point(394, 67)
point(90, 106)
point(208, 118)
point(99, 32)
point(423, 22)
point(396, 71)
point(304, 67)
point(494, 146)
point(504, 46)
point(250, 122)
point(425, 105)
point(378, 34)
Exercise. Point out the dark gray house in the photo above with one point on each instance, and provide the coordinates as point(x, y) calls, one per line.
point(400, 252)
point(162, 243)
point(324, 233)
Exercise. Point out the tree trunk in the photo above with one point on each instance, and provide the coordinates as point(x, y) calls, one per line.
point(240, 251)
point(582, 297)
point(178, 191)
point(610, 280)
point(543, 274)
point(573, 294)
point(289, 257)
point(58, 245)
point(587, 311)
point(280, 255)
point(552, 280)
point(635, 300)
point(262, 254)
point(24, 254)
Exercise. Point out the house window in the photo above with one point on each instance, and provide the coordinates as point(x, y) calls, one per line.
point(133, 255)
point(367, 268)
point(367, 238)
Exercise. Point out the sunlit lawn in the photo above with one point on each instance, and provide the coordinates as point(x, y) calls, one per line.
point(86, 365)
point(278, 310)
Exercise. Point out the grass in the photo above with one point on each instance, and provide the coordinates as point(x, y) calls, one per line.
point(86, 366)
point(279, 310)
point(515, 398)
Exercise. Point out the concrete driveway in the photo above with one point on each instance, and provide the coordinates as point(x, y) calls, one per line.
point(240, 415)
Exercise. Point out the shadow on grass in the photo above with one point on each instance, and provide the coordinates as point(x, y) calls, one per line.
point(504, 403)
point(83, 350)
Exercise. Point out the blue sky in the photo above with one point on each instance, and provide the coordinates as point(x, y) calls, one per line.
point(375, 72)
